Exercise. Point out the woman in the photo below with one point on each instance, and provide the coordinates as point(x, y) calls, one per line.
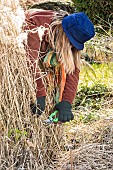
point(62, 35)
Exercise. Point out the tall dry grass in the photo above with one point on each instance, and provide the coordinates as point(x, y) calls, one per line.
point(25, 142)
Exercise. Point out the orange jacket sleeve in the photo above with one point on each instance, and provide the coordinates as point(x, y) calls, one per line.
point(71, 85)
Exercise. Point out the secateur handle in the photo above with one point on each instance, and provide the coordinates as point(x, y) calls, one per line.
point(55, 120)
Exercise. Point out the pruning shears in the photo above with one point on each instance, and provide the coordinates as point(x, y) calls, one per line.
point(52, 118)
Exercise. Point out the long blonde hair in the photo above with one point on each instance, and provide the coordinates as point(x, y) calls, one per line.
point(66, 53)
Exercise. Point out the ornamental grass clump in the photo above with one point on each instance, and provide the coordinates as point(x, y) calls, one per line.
point(25, 141)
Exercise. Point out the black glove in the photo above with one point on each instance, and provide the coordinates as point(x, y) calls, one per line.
point(65, 113)
point(39, 106)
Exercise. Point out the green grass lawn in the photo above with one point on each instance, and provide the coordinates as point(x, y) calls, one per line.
point(103, 74)
point(94, 98)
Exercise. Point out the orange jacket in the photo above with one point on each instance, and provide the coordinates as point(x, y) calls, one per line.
point(35, 20)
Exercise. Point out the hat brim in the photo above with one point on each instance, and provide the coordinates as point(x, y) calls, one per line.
point(75, 43)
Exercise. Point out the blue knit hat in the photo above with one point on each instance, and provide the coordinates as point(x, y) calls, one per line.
point(78, 29)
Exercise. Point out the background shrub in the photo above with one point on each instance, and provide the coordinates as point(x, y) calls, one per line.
point(96, 10)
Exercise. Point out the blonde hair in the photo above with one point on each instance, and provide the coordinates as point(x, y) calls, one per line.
point(66, 53)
